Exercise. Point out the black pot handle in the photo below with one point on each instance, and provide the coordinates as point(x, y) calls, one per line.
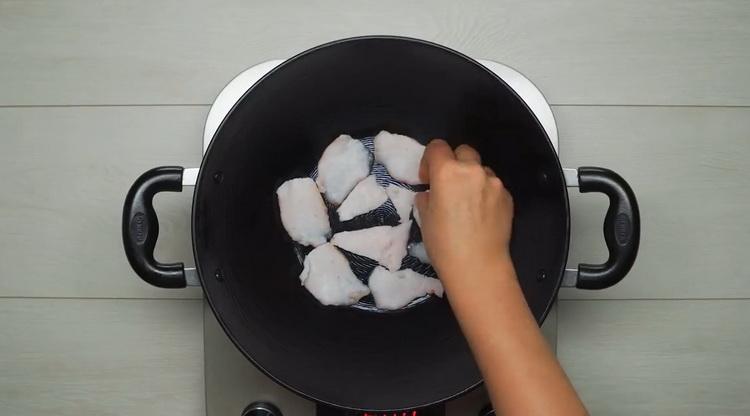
point(140, 227)
point(622, 230)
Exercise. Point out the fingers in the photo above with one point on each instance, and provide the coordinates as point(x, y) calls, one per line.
point(436, 153)
point(466, 153)
point(439, 151)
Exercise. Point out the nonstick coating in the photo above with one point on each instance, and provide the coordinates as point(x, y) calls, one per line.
point(343, 356)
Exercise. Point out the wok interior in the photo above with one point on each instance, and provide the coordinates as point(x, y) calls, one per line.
point(344, 356)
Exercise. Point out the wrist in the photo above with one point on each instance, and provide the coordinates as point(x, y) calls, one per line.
point(475, 260)
point(477, 272)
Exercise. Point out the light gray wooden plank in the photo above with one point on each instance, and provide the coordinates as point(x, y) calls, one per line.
point(101, 357)
point(689, 170)
point(664, 357)
point(65, 175)
point(66, 171)
point(591, 52)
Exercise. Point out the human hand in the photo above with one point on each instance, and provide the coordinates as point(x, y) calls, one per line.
point(467, 215)
point(466, 224)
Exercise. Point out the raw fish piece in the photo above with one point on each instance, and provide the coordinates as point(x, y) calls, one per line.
point(344, 163)
point(394, 290)
point(327, 275)
point(402, 198)
point(365, 197)
point(399, 154)
point(303, 212)
point(384, 244)
point(418, 250)
point(417, 218)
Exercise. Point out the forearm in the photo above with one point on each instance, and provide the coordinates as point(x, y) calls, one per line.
point(511, 352)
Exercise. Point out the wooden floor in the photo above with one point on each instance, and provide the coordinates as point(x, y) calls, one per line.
point(93, 93)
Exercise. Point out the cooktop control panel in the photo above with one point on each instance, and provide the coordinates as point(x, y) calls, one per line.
point(430, 411)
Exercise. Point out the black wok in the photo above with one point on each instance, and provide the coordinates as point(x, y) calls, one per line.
point(342, 356)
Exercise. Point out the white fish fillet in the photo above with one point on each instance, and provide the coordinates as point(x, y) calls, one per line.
point(417, 218)
point(384, 244)
point(403, 200)
point(344, 163)
point(327, 275)
point(303, 212)
point(394, 290)
point(418, 250)
point(365, 197)
point(400, 155)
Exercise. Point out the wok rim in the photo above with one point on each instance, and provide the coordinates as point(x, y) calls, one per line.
point(197, 192)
